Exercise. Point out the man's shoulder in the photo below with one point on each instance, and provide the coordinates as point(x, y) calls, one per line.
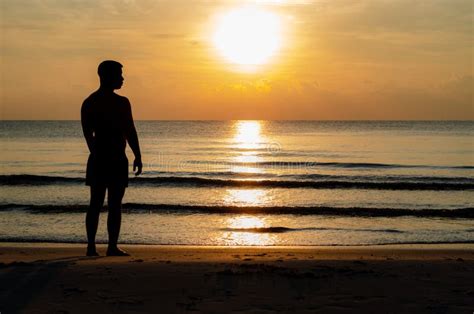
point(97, 97)
point(86, 104)
point(122, 99)
point(90, 99)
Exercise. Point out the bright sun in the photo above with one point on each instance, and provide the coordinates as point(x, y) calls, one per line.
point(248, 36)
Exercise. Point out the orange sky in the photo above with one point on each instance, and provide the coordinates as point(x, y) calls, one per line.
point(345, 59)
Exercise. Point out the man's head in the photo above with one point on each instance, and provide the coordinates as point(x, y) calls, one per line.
point(110, 73)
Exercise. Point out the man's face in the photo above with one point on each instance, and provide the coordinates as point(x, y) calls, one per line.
point(117, 79)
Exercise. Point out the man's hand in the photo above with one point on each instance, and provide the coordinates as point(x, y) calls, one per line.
point(137, 165)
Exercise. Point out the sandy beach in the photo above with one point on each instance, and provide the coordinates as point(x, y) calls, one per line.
point(57, 278)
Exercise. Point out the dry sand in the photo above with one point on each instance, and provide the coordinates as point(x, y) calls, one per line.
point(57, 278)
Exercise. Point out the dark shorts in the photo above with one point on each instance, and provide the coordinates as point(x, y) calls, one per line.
point(107, 171)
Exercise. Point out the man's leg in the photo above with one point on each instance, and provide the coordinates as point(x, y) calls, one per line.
point(92, 217)
point(114, 199)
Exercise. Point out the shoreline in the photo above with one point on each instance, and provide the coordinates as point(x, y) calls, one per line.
point(423, 245)
point(467, 244)
point(10, 251)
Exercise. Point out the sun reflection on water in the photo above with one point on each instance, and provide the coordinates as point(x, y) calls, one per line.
point(247, 157)
point(247, 140)
point(247, 230)
point(246, 222)
point(245, 169)
point(246, 197)
point(237, 234)
point(248, 134)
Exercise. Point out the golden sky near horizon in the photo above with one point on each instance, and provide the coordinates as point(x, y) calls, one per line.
point(331, 59)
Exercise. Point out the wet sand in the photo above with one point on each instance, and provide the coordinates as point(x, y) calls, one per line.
point(57, 278)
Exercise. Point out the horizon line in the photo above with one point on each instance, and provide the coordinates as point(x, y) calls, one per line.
point(283, 120)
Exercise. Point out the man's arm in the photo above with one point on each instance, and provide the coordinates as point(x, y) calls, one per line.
point(87, 127)
point(132, 139)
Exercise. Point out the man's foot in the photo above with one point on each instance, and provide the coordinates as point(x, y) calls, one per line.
point(92, 252)
point(116, 252)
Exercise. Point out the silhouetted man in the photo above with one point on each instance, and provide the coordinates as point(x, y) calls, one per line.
point(108, 125)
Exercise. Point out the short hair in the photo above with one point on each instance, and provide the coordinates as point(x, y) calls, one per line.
point(108, 67)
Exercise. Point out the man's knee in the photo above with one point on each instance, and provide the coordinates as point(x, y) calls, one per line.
point(114, 207)
point(97, 194)
point(93, 212)
point(115, 196)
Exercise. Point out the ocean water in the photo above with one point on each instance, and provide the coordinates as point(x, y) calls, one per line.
point(250, 183)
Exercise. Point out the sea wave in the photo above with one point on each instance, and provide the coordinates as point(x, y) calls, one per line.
point(314, 164)
point(308, 176)
point(271, 210)
point(342, 183)
point(286, 229)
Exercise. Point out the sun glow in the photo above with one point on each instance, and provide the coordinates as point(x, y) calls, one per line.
point(248, 36)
